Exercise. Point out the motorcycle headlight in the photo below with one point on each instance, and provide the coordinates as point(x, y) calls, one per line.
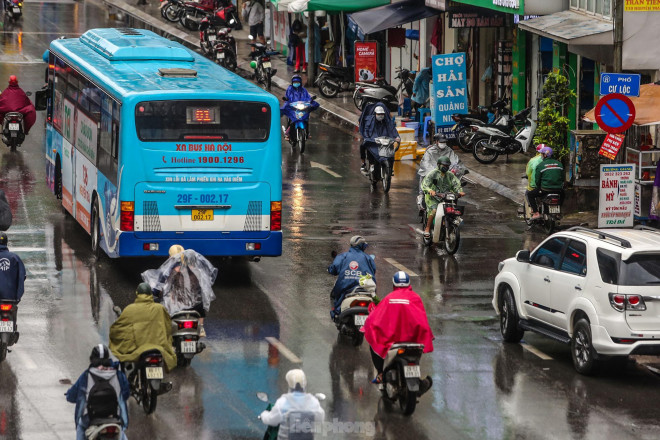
point(300, 107)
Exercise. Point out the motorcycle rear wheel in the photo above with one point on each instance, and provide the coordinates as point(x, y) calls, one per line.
point(182, 361)
point(549, 225)
point(407, 401)
point(386, 176)
point(357, 338)
point(327, 90)
point(358, 101)
point(300, 134)
point(149, 396)
point(3, 351)
point(268, 79)
point(483, 154)
point(171, 13)
point(452, 238)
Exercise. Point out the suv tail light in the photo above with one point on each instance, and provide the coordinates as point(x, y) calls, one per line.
point(621, 302)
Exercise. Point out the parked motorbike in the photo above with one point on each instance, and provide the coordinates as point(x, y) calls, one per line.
point(302, 417)
point(172, 10)
point(379, 169)
point(354, 312)
point(13, 8)
point(13, 130)
point(550, 209)
point(447, 222)
point(263, 69)
point(380, 91)
point(185, 336)
point(334, 79)
point(298, 112)
point(194, 13)
point(496, 115)
point(402, 376)
point(8, 333)
point(490, 142)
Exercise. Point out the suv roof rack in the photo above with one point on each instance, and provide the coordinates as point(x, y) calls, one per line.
point(646, 228)
point(602, 235)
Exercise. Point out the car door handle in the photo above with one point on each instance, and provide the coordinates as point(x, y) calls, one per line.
point(578, 288)
point(546, 279)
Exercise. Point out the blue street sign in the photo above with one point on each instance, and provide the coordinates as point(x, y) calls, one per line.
point(449, 87)
point(624, 83)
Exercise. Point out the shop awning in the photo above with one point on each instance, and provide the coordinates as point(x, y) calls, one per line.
point(327, 5)
point(392, 15)
point(571, 28)
point(647, 106)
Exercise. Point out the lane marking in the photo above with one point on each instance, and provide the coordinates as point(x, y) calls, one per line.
point(26, 362)
point(28, 249)
point(400, 266)
point(536, 351)
point(324, 168)
point(35, 61)
point(282, 349)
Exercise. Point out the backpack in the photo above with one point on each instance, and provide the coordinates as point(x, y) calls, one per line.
point(102, 400)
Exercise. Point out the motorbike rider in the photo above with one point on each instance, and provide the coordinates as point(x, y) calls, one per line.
point(293, 410)
point(142, 326)
point(297, 92)
point(531, 168)
point(399, 317)
point(548, 177)
point(430, 159)
point(349, 267)
point(101, 369)
point(14, 99)
point(438, 181)
point(12, 272)
point(373, 126)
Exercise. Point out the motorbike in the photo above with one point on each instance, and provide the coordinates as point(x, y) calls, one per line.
point(298, 112)
point(185, 336)
point(379, 169)
point(194, 13)
point(496, 115)
point(550, 209)
point(212, 31)
point(172, 10)
point(367, 93)
point(14, 8)
point(104, 429)
point(8, 333)
point(354, 312)
point(272, 431)
point(490, 142)
point(447, 222)
point(402, 376)
point(146, 379)
point(263, 69)
point(334, 79)
point(13, 130)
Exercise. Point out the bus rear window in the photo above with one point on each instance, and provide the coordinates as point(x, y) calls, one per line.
point(202, 120)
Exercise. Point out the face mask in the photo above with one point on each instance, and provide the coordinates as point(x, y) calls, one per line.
point(380, 117)
point(444, 168)
point(296, 85)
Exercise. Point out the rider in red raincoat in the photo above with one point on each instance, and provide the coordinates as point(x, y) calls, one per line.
point(14, 99)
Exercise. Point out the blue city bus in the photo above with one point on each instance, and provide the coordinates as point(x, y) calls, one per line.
point(149, 144)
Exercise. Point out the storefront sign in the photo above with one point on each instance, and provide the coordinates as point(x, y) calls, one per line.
point(638, 200)
point(624, 83)
point(611, 145)
point(641, 5)
point(475, 20)
point(366, 62)
point(616, 196)
point(510, 6)
point(449, 87)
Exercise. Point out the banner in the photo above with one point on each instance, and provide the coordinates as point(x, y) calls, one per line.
point(641, 5)
point(366, 61)
point(616, 196)
point(611, 145)
point(449, 87)
point(459, 20)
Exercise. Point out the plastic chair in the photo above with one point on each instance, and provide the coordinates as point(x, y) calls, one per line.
point(421, 112)
point(427, 122)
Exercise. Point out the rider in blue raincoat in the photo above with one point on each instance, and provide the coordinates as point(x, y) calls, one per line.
point(349, 267)
point(295, 92)
point(375, 121)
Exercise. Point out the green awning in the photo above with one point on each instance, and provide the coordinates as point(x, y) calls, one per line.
point(327, 5)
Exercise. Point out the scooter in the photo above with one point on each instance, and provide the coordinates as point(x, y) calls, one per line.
point(299, 418)
point(354, 312)
point(496, 115)
point(446, 223)
point(298, 113)
point(380, 169)
point(334, 79)
point(263, 69)
point(402, 376)
point(8, 333)
point(490, 142)
point(185, 336)
point(146, 379)
point(194, 13)
point(550, 209)
point(14, 8)
point(367, 93)
point(172, 10)
point(13, 130)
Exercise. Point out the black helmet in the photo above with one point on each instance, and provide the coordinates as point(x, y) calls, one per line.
point(144, 289)
point(444, 160)
point(100, 356)
point(439, 137)
point(3, 238)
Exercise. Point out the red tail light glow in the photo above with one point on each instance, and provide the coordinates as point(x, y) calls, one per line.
point(111, 429)
point(5, 307)
point(275, 216)
point(127, 216)
point(152, 360)
point(358, 303)
point(186, 325)
point(265, 59)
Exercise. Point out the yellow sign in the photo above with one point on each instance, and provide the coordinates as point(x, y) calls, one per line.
point(642, 5)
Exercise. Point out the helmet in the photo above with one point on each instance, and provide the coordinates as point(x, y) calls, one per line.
point(296, 380)
point(253, 64)
point(401, 279)
point(175, 249)
point(296, 78)
point(13, 81)
point(439, 137)
point(3, 238)
point(357, 240)
point(546, 151)
point(444, 160)
point(144, 289)
point(99, 351)
point(539, 147)
point(379, 110)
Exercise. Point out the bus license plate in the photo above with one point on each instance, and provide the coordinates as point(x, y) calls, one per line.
point(411, 371)
point(6, 326)
point(14, 127)
point(220, 55)
point(267, 64)
point(360, 320)
point(554, 209)
point(188, 346)
point(202, 215)
point(154, 372)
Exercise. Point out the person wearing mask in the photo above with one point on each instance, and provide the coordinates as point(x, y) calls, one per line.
point(253, 14)
point(296, 92)
point(14, 99)
point(549, 177)
point(530, 169)
point(143, 325)
point(430, 159)
point(349, 267)
point(101, 392)
point(375, 121)
point(438, 181)
point(399, 317)
point(294, 411)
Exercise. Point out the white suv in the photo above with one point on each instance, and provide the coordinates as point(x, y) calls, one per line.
point(598, 290)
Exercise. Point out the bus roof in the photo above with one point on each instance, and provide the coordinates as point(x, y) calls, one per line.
point(129, 62)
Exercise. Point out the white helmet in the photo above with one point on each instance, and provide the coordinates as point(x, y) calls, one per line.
point(296, 380)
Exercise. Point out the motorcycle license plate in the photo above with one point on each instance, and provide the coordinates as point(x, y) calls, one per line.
point(14, 127)
point(212, 37)
point(220, 55)
point(202, 215)
point(267, 64)
point(188, 346)
point(154, 372)
point(554, 209)
point(17, 10)
point(410, 371)
point(6, 326)
point(360, 320)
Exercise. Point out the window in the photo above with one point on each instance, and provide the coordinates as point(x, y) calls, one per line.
point(608, 265)
point(108, 138)
point(598, 7)
point(549, 254)
point(575, 258)
point(641, 270)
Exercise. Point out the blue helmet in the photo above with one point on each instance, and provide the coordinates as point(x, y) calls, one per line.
point(296, 78)
point(401, 279)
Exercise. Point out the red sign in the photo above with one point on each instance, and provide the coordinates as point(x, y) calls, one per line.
point(615, 113)
point(366, 61)
point(611, 145)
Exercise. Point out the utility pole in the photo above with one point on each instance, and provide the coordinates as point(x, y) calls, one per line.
point(618, 35)
point(311, 44)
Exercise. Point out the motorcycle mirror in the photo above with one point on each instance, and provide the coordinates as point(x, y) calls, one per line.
point(320, 396)
point(262, 396)
point(333, 254)
point(28, 93)
point(117, 310)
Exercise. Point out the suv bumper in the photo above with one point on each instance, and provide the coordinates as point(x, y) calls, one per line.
point(603, 343)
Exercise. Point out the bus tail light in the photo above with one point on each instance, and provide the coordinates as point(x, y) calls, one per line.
point(127, 216)
point(150, 246)
point(275, 216)
point(252, 246)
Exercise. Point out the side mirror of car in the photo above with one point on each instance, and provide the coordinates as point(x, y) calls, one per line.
point(523, 256)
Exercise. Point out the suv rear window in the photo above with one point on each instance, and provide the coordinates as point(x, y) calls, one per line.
point(641, 270)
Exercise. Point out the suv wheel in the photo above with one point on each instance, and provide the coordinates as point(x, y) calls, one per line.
point(582, 351)
point(509, 318)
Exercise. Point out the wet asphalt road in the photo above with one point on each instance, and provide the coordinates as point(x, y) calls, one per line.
point(482, 388)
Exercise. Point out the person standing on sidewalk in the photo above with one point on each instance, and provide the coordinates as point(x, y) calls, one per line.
point(253, 14)
point(298, 36)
